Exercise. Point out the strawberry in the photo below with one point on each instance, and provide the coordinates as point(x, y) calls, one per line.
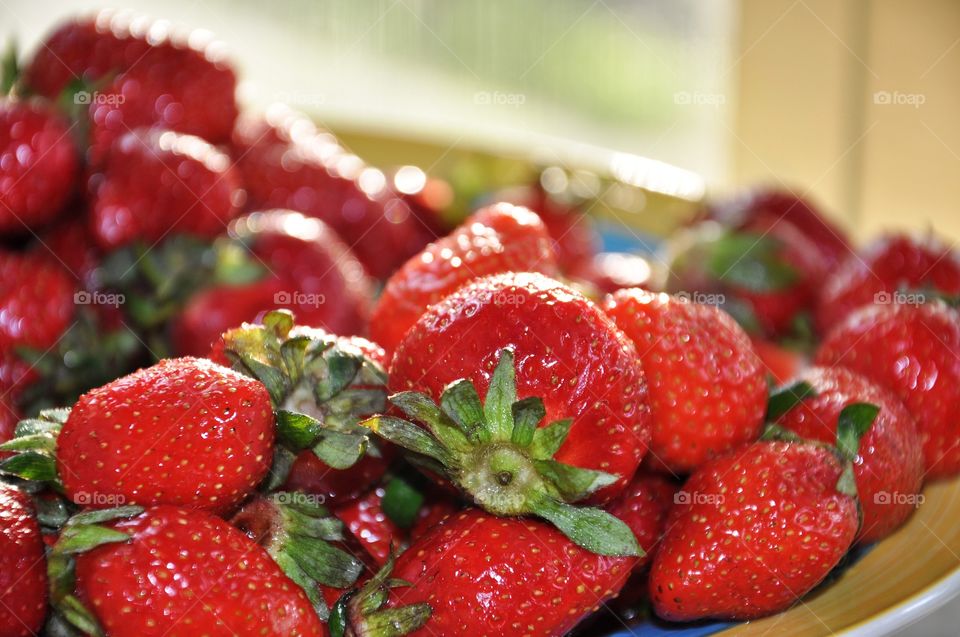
point(154, 183)
point(569, 423)
point(707, 386)
point(39, 165)
point(163, 76)
point(307, 268)
point(376, 532)
point(287, 163)
point(891, 267)
point(766, 273)
point(429, 199)
point(8, 421)
point(186, 432)
point(915, 352)
point(321, 386)
point(23, 576)
point(171, 571)
point(36, 308)
point(781, 363)
point(754, 531)
point(482, 575)
point(575, 240)
point(889, 468)
point(55, 341)
point(644, 506)
point(500, 238)
point(776, 205)
point(72, 243)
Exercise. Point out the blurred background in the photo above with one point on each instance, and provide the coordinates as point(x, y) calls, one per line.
point(854, 102)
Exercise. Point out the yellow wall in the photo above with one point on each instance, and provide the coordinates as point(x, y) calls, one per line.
point(857, 101)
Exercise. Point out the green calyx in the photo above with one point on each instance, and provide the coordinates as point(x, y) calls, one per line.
point(750, 261)
point(361, 613)
point(81, 533)
point(34, 445)
point(9, 69)
point(297, 532)
point(158, 281)
point(86, 356)
point(853, 423)
point(496, 452)
point(320, 389)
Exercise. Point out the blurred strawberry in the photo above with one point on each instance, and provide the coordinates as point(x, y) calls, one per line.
point(890, 266)
point(773, 205)
point(428, 197)
point(75, 248)
point(36, 308)
point(575, 240)
point(306, 268)
point(165, 77)
point(8, 419)
point(287, 163)
point(39, 165)
point(781, 363)
point(608, 272)
point(766, 274)
point(154, 183)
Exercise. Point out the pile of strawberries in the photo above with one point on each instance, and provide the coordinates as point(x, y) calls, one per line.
point(249, 386)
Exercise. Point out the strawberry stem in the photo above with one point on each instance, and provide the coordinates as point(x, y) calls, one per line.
point(361, 613)
point(495, 451)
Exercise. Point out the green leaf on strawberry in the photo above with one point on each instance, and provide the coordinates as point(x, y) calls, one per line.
point(495, 452)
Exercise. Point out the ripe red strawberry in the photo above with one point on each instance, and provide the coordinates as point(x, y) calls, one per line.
point(753, 532)
point(287, 163)
point(186, 432)
point(307, 269)
point(891, 267)
point(23, 575)
point(708, 390)
point(889, 468)
point(165, 77)
point(39, 165)
point(767, 272)
point(182, 572)
point(154, 183)
point(36, 308)
point(780, 363)
point(644, 506)
point(483, 575)
point(915, 352)
point(372, 528)
point(500, 238)
point(434, 511)
point(774, 205)
point(575, 240)
point(572, 364)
